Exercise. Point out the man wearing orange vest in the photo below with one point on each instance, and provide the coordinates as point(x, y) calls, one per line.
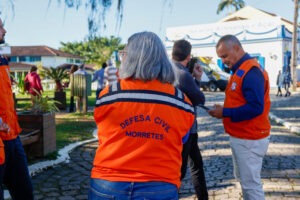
point(13, 171)
point(245, 114)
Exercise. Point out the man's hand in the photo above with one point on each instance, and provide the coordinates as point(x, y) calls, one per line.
point(3, 126)
point(216, 112)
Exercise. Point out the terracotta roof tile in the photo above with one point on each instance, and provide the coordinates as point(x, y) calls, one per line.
point(39, 51)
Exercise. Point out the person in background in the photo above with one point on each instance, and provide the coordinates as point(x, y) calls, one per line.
point(14, 172)
point(80, 89)
point(99, 76)
point(279, 82)
point(245, 115)
point(33, 83)
point(189, 83)
point(286, 81)
point(73, 69)
point(142, 123)
point(110, 74)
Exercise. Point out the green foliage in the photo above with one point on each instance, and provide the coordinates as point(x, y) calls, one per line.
point(237, 4)
point(20, 84)
point(95, 50)
point(43, 104)
point(56, 74)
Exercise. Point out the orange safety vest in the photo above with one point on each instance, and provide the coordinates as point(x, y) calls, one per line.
point(7, 108)
point(140, 130)
point(253, 129)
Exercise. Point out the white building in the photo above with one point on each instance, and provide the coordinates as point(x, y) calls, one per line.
point(22, 58)
point(40, 55)
point(263, 35)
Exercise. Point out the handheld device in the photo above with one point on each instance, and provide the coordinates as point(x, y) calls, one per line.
point(204, 107)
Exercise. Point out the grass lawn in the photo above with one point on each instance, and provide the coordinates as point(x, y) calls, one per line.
point(50, 93)
point(73, 127)
point(70, 127)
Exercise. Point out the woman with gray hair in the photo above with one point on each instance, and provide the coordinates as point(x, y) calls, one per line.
point(142, 123)
point(146, 59)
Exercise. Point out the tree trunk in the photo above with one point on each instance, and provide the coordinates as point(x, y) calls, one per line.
point(294, 48)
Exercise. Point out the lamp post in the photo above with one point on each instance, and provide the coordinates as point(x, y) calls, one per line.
point(294, 47)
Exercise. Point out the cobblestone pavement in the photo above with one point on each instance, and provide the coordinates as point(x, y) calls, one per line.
point(280, 174)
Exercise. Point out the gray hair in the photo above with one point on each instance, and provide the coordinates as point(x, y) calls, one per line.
point(229, 40)
point(146, 59)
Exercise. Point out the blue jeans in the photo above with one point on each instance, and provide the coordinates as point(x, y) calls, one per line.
point(103, 190)
point(14, 172)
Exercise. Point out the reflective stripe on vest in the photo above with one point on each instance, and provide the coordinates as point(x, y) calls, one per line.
point(144, 96)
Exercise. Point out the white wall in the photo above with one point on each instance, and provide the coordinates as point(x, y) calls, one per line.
point(53, 61)
point(273, 54)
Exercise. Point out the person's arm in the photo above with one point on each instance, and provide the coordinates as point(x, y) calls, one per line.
point(253, 91)
point(39, 83)
point(26, 83)
point(191, 89)
point(94, 76)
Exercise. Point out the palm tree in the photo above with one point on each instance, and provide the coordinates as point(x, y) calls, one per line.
point(56, 74)
point(294, 49)
point(237, 4)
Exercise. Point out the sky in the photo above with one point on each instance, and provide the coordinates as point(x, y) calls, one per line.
point(34, 22)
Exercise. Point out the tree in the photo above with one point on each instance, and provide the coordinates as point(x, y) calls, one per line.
point(56, 74)
point(97, 11)
point(237, 4)
point(94, 50)
point(294, 46)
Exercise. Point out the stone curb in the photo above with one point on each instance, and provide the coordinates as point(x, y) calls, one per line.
point(63, 156)
point(288, 125)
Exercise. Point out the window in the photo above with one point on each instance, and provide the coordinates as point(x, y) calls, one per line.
point(30, 58)
point(13, 59)
point(77, 61)
point(35, 58)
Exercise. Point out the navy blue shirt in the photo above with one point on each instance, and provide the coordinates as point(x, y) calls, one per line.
point(253, 92)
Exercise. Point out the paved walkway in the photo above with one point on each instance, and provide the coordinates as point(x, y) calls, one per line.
point(280, 174)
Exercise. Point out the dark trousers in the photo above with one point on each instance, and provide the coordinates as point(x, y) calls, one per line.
point(286, 87)
point(14, 172)
point(191, 154)
point(98, 92)
point(72, 104)
point(279, 91)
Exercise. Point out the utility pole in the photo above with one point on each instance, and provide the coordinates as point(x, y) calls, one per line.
point(294, 46)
